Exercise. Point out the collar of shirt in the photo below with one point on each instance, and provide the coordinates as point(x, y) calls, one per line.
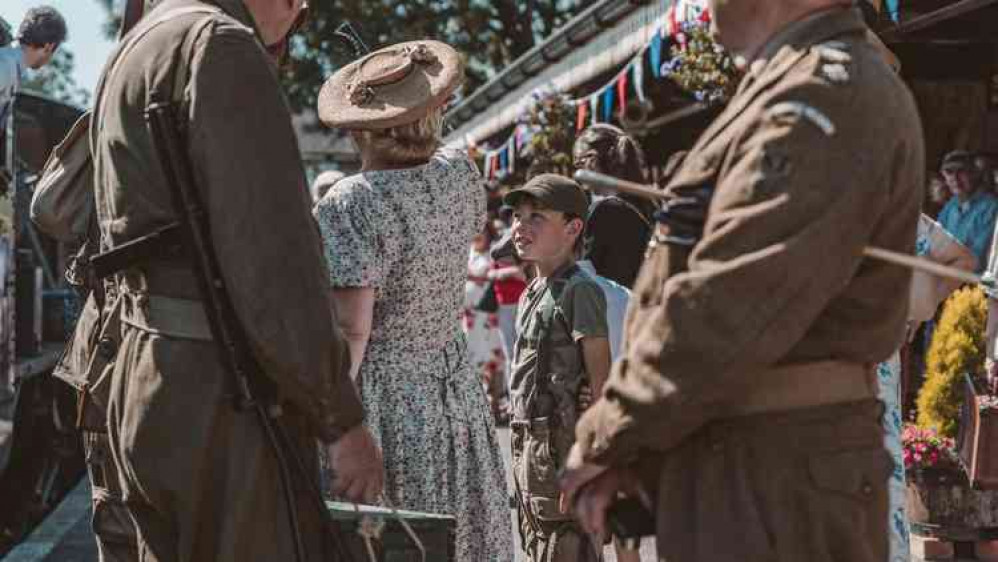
point(971, 201)
point(811, 30)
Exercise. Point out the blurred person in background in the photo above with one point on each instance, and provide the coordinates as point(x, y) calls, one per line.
point(619, 226)
point(509, 278)
point(41, 32)
point(936, 195)
point(970, 214)
point(481, 327)
point(986, 166)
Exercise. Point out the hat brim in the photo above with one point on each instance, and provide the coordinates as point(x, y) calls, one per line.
point(410, 99)
point(515, 197)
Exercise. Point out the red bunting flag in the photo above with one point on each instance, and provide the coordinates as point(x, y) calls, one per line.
point(582, 113)
point(673, 20)
point(622, 89)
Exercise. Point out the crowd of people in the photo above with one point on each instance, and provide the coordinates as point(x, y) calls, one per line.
point(709, 358)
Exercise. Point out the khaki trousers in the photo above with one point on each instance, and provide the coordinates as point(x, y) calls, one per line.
point(808, 485)
point(199, 478)
point(117, 539)
point(550, 541)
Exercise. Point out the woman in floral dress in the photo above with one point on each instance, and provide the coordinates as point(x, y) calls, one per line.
point(396, 240)
point(927, 291)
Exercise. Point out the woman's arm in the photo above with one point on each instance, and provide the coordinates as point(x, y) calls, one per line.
point(354, 312)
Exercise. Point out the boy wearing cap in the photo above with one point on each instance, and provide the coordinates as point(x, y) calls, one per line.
point(562, 346)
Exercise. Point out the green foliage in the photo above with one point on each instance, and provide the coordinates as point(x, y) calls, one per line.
point(491, 34)
point(957, 348)
point(552, 118)
point(702, 67)
point(55, 80)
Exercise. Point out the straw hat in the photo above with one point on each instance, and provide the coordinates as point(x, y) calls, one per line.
point(393, 86)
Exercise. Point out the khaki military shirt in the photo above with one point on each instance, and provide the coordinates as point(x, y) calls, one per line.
point(554, 315)
point(819, 154)
point(246, 163)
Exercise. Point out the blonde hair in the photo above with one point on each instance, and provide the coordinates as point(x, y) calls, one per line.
point(405, 144)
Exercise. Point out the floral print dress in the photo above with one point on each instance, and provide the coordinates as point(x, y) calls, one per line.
point(406, 233)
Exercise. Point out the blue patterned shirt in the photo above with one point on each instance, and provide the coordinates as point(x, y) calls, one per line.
point(972, 222)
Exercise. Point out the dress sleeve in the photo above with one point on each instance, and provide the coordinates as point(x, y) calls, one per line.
point(351, 236)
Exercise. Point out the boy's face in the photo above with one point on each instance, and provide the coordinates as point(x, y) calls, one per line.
point(542, 235)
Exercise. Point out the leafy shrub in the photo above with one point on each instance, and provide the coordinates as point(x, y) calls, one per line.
point(957, 349)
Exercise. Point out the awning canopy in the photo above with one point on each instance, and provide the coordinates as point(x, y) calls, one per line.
point(965, 21)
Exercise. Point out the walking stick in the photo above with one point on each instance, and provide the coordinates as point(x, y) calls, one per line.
point(609, 184)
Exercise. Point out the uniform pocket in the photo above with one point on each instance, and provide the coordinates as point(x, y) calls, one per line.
point(540, 468)
point(857, 474)
point(546, 509)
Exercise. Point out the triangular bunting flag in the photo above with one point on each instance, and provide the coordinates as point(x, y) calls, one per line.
point(639, 78)
point(622, 89)
point(580, 117)
point(655, 56)
point(608, 95)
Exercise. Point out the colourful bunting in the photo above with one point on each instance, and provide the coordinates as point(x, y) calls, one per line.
point(502, 161)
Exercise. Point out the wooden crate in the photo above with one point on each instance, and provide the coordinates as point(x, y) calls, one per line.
point(978, 439)
point(435, 532)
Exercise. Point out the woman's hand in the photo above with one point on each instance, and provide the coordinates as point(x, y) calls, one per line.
point(358, 470)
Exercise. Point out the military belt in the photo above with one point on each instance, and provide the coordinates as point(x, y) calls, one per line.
point(807, 385)
point(167, 316)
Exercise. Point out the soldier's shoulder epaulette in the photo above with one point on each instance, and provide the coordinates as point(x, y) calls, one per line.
point(814, 90)
point(831, 63)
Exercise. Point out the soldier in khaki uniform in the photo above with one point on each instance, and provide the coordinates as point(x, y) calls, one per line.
point(745, 400)
point(198, 476)
point(561, 346)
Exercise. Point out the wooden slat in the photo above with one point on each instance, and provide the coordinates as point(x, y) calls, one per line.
point(937, 17)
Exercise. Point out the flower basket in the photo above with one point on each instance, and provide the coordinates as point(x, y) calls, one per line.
point(978, 437)
point(944, 505)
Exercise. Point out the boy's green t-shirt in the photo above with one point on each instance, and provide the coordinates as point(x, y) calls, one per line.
point(582, 315)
